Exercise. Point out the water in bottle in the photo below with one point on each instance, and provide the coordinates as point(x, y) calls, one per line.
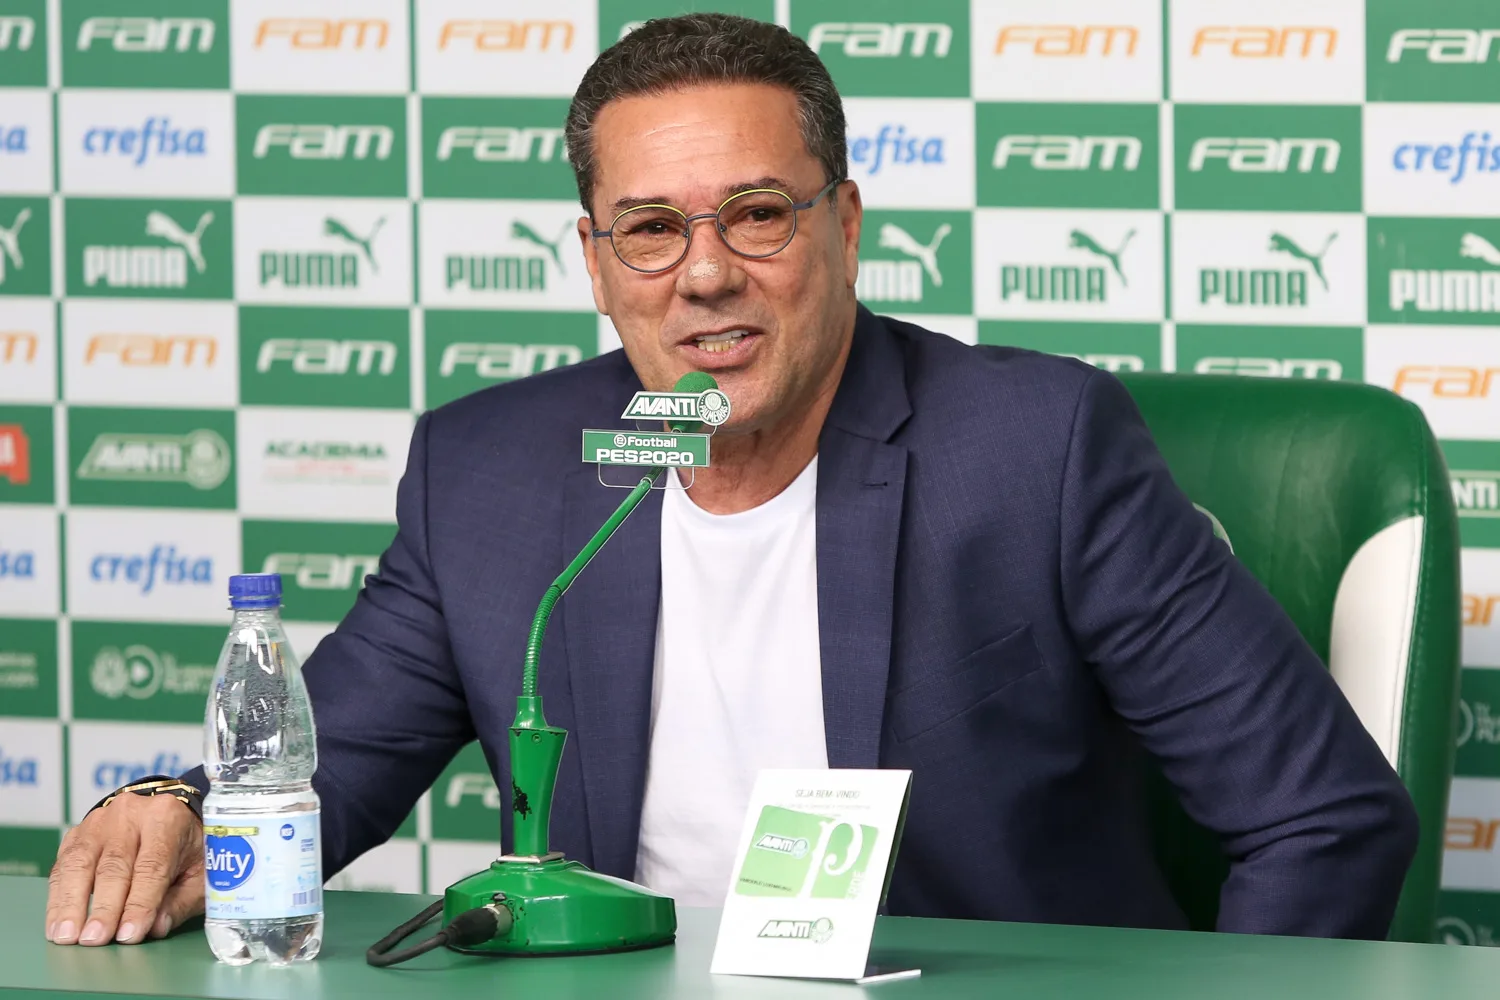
point(263, 851)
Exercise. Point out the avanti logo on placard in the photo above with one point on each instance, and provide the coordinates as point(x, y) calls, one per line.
point(917, 262)
point(101, 48)
point(1067, 155)
point(139, 672)
point(889, 52)
point(1300, 158)
point(199, 458)
point(148, 248)
point(1435, 270)
point(817, 931)
point(1069, 279)
point(1474, 476)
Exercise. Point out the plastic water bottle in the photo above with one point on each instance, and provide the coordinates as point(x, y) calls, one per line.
point(262, 847)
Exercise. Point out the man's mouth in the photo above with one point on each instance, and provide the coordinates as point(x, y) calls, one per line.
point(717, 343)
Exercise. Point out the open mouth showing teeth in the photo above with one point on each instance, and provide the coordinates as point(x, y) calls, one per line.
point(717, 343)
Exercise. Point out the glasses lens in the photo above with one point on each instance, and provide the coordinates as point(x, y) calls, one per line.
point(758, 223)
point(651, 237)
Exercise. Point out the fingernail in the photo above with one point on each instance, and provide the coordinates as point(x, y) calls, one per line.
point(66, 933)
point(163, 924)
point(93, 933)
point(50, 928)
point(126, 933)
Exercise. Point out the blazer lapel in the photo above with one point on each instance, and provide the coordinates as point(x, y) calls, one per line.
point(609, 619)
point(861, 488)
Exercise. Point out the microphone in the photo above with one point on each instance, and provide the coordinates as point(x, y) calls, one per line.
point(532, 901)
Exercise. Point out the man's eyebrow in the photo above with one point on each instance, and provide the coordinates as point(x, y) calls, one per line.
point(778, 183)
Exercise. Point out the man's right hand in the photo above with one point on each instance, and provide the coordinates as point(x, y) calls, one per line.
point(141, 858)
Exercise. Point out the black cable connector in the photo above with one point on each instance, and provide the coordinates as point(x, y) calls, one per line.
point(468, 929)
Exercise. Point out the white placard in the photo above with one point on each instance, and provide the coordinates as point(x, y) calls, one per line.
point(814, 862)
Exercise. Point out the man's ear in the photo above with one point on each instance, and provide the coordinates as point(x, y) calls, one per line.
point(591, 259)
point(851, 215)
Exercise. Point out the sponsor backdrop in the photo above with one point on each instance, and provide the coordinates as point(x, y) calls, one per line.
point(243, 244)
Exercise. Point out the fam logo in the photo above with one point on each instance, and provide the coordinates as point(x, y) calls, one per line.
point(200, 458)
point(893, 146)
point(143, 571)
point(325, 142)
point(328, 357)
point(1442, 46)
point(147, 34)
point(1290, 158)
point(1265, 42)
point(1067, 41)
point(1067, 155)
point(502, 362)
point(1470, 833)
point(15, 455)
point(152, 52)
point(503, 144)
point(323, 570)
point(1480, 610)
point(1448, 58)
point(868, 40)
point(1083, 276)
point(340, 146)
point(500, 35)
point(139, 672)
point(817, 931)
point(475, 784)
point(1268, 287)
point(1069, 152)
point(155, 137)
point(1451, 160)
point(17, 33)
point(319, 34)
point(1264, 155)
point(161, 264)
point(1449, 382)
point(150, 350)
point(469, 351)
point(475, 147)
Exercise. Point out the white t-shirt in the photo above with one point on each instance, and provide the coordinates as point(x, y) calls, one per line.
point(738, 683)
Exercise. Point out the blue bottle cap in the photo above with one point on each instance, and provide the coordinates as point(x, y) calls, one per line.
point(255, 590)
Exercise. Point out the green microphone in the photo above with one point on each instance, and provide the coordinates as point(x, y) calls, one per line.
point(533, 900)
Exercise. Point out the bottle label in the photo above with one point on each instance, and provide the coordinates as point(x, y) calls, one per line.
point(263, 867)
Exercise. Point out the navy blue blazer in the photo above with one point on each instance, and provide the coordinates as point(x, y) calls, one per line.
point(1014, 601)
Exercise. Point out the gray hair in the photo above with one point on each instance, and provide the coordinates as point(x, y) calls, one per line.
point(671, 52)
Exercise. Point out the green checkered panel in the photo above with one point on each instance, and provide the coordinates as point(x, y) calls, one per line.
point(243, 244)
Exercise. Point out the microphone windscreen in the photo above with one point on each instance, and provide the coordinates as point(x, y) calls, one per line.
point(695, 382)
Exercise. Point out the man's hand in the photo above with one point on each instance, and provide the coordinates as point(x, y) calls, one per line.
point(142, 859)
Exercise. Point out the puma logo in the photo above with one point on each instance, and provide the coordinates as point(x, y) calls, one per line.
point(1285, 244)
point(1476, 246)
point(10, 242)
point(893, 237)
point(1082, 240)
point(163, 225)
point(333, 227)
point(521, 231)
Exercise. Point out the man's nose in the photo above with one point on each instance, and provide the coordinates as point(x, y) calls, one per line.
point(710, 270)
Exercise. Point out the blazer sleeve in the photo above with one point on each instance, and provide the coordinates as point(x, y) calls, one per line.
point(387, 701)
point(1221, 688)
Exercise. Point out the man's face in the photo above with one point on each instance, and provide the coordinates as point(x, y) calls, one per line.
point(691, 149)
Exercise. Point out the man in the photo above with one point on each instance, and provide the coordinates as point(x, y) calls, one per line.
point(908, 553)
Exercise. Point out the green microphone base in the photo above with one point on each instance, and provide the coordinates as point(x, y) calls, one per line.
point(561, 907)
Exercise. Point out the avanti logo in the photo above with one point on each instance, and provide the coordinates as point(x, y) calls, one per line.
point(1067, 281)
point(147, 34)
point(891, 145)
point(1265, 155)
point(1447, 158)
point(139, 672)
point(149, 350)
point(10, 243)
point(149, 265)
point(1476, 492)
point(1265, 286)
point(500, 35)
point(794, 847)
point(508, 272)
point(817, 931)
point(325, 142)
point(155, 137)
point(321, 268)
point(199, 458)
point(321, 34)
point(1069, 152)
point(1265, 41)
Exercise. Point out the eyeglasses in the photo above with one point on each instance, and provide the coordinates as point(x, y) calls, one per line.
point(755, 224)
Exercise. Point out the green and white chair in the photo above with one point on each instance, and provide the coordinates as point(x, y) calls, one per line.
point(1335, 495)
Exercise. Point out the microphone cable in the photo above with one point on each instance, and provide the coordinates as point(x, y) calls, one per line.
point(470, 928)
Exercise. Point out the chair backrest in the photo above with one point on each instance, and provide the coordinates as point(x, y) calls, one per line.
point(1336, 497)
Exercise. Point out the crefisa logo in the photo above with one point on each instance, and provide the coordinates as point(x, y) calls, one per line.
point(230, 860)
point(17, 565)
point(111, 774)
point(17, 771)
point(163, 564)
point(155, 137)
point(892, 145)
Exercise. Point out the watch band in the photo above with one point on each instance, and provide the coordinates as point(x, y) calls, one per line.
point(160, 784)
